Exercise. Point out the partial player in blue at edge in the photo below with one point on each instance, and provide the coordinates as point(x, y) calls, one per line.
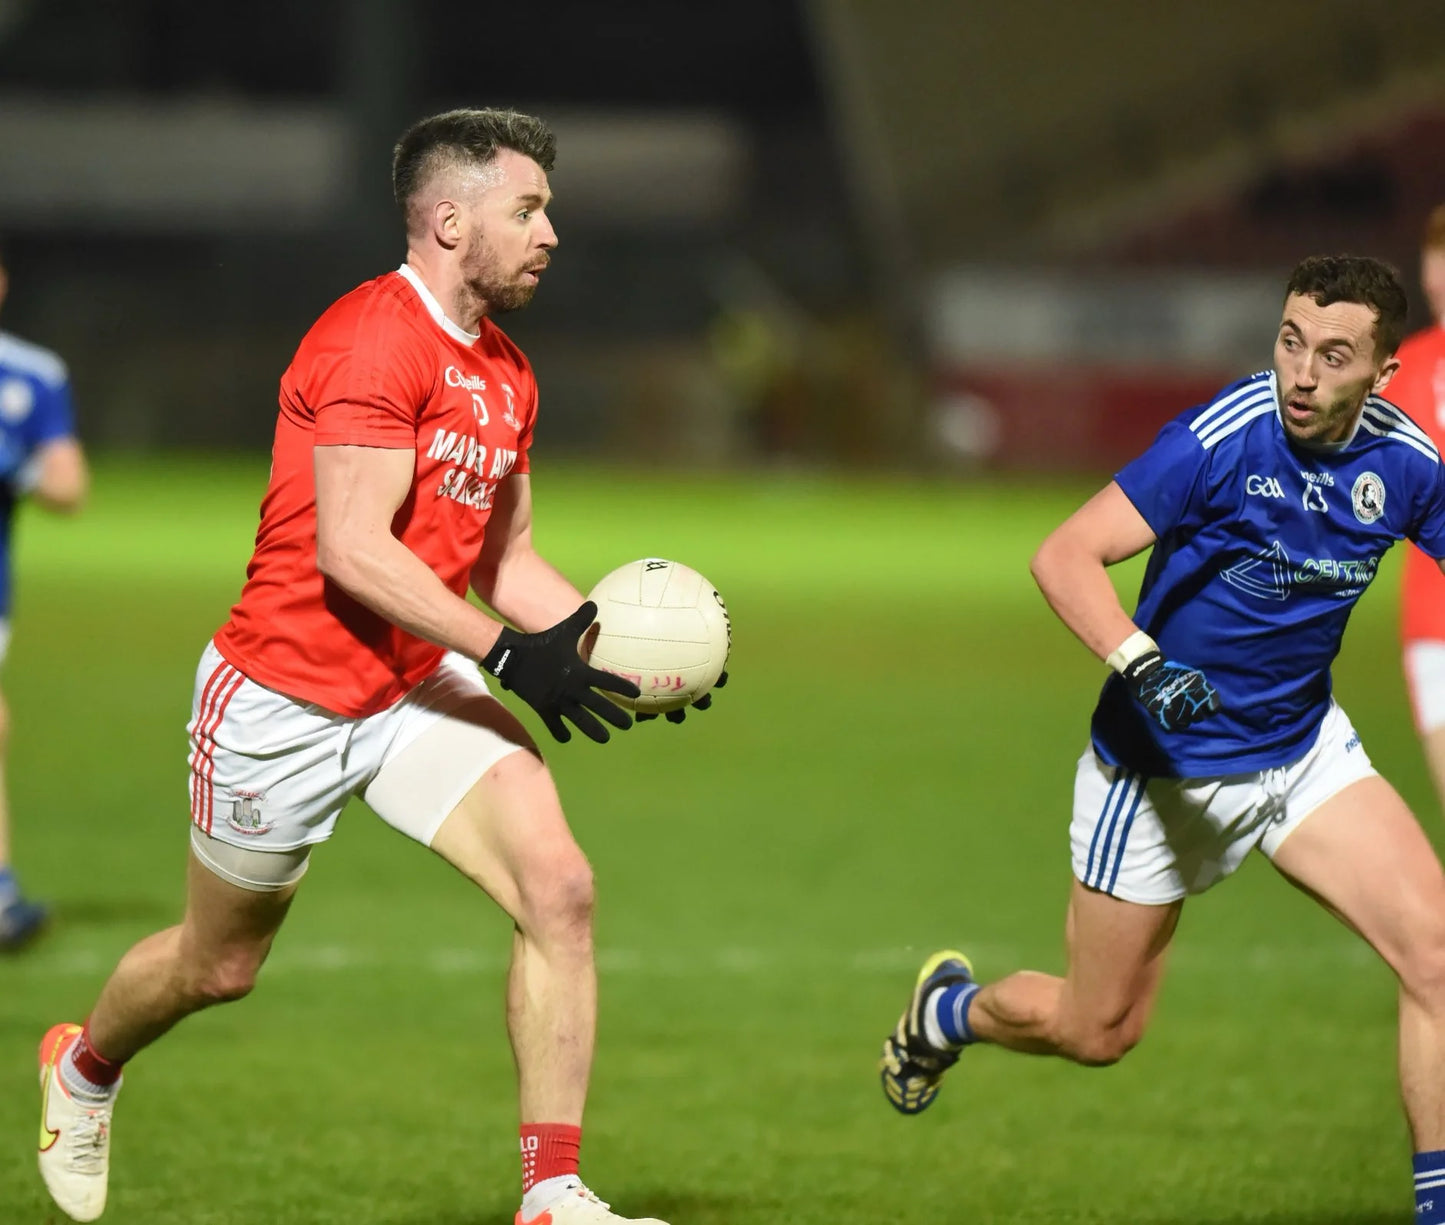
point(1268, 511)
point(40, 461)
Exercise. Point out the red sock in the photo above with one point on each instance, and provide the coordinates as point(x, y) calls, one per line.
point(549, 1150)
point(90, 1063)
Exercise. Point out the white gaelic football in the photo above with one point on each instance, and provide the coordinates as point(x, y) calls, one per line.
point(665, 628)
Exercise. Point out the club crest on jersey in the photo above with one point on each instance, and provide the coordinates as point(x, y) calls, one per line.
point(245, 816)
point(16, 401)
point(1368, 497)
point(510, 416)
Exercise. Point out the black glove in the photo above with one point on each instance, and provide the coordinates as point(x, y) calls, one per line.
point(678, 715)
point(546, 671)
point(1177, 695)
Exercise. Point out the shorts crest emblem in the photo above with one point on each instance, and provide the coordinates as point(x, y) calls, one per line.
point(245, 816)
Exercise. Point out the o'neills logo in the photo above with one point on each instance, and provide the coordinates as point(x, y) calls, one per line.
point(472, 382)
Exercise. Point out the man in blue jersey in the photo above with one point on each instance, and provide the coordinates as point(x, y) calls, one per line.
point(1268, 511)
point(40, 460)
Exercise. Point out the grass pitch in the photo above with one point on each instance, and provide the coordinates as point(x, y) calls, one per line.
point(888, 772)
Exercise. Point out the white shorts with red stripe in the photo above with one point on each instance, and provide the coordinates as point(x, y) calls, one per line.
point(271, 773)
point(1156, 840)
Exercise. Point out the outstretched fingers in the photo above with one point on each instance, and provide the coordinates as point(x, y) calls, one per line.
point(610, 711)
point(589, 726)
point(596, 678)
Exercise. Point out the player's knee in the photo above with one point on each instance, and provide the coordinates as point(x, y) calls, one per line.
point(223, 981)
point(559, 900)
point(1099, 1046)
point(1422, 971)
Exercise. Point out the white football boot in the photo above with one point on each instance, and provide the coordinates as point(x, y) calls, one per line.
point(578, 1206)
point(74, 1136)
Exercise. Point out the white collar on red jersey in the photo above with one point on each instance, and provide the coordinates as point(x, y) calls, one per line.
point(434, 309)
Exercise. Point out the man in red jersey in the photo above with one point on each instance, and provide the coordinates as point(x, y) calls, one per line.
point(1419, 388)
point(348, 667)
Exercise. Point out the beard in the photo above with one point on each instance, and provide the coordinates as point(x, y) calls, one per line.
point(1332, 420)
point(485, 277)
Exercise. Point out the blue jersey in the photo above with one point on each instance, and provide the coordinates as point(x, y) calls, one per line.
point(34, 409)
point(1263, 547)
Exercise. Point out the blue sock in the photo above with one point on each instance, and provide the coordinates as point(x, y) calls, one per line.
point(9, 887)
point(1430, 1188)
point(951, 1006)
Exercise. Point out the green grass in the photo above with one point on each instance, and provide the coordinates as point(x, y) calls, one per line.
point(888, 772)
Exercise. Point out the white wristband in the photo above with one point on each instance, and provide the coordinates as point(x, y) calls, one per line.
point(1136, 644)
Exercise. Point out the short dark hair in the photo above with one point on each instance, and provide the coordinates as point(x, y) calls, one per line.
point(471, 136)
point(1356, 278)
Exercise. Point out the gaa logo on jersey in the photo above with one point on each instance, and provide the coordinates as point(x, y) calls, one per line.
point(1368, 497)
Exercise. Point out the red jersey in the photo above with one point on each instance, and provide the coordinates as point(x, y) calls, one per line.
point(383, 367)
point(1419, 388)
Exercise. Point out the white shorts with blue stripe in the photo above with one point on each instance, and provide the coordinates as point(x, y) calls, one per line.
point(1156, 840)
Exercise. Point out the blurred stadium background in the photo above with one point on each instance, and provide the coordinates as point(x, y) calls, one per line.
point(915, 234)
point(854, 301)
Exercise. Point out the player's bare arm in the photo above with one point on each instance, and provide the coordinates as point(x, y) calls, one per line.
point(1071, 567)
point(510, 575)
point(358, 492)
point(58, 476)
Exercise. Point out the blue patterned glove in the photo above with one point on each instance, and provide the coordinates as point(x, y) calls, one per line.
point(1177, 695)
